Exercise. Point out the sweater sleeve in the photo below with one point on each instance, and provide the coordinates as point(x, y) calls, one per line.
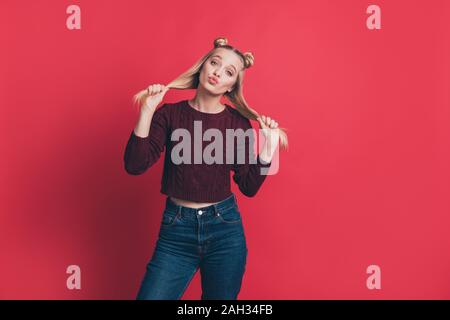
point(248, 176)
point(141, 153)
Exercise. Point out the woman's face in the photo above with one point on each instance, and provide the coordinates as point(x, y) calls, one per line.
point(220, 71)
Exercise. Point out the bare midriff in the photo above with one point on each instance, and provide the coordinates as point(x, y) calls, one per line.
point(190, 204)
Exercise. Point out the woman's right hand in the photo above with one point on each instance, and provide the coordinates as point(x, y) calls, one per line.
point(155, 94)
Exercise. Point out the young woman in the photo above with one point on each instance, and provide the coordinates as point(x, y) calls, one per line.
point(201, 226)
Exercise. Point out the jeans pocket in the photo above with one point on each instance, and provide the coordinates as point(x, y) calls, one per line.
point(229, 215)
point(169, 218)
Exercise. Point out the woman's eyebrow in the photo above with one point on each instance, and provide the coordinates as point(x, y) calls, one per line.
point(216, 55)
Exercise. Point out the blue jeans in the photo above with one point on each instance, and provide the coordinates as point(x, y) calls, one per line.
point(210, 239)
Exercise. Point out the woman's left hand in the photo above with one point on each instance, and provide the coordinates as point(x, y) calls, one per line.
point(270, 131)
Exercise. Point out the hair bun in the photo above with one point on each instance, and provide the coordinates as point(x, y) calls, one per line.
point(220, 42)
point(249, 59)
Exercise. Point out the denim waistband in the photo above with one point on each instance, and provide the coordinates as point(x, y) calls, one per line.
point(208, 210)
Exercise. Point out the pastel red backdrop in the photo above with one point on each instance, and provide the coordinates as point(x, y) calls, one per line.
point(366, 180)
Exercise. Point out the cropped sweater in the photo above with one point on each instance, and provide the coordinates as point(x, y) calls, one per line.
point(187, 174)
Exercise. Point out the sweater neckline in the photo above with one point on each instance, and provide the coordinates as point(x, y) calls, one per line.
point(206, 114)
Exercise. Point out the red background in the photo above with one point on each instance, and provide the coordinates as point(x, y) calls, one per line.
point(366, 179)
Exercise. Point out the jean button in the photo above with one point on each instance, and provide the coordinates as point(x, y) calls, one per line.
point(200, 212)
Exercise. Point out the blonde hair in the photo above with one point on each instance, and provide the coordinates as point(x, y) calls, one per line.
point(190, 80)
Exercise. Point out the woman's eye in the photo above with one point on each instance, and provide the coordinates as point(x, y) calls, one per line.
point(229, 72)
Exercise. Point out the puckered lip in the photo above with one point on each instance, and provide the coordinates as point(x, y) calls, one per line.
point(214, 79)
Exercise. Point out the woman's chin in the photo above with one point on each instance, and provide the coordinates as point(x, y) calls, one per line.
point(210, 86)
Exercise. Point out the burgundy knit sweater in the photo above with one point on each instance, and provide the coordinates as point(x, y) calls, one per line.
point(193, 181)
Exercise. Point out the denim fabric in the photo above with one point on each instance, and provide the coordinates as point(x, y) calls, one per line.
point(211, 239)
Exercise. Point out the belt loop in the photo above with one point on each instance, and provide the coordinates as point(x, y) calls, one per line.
point(216, 210)
point(179, 210)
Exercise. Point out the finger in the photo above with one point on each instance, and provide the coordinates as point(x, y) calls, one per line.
point(276, 124)
point(263, 118)
point(268, 120)
point(261, 123)
point(155, 89)
point(272, 123)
